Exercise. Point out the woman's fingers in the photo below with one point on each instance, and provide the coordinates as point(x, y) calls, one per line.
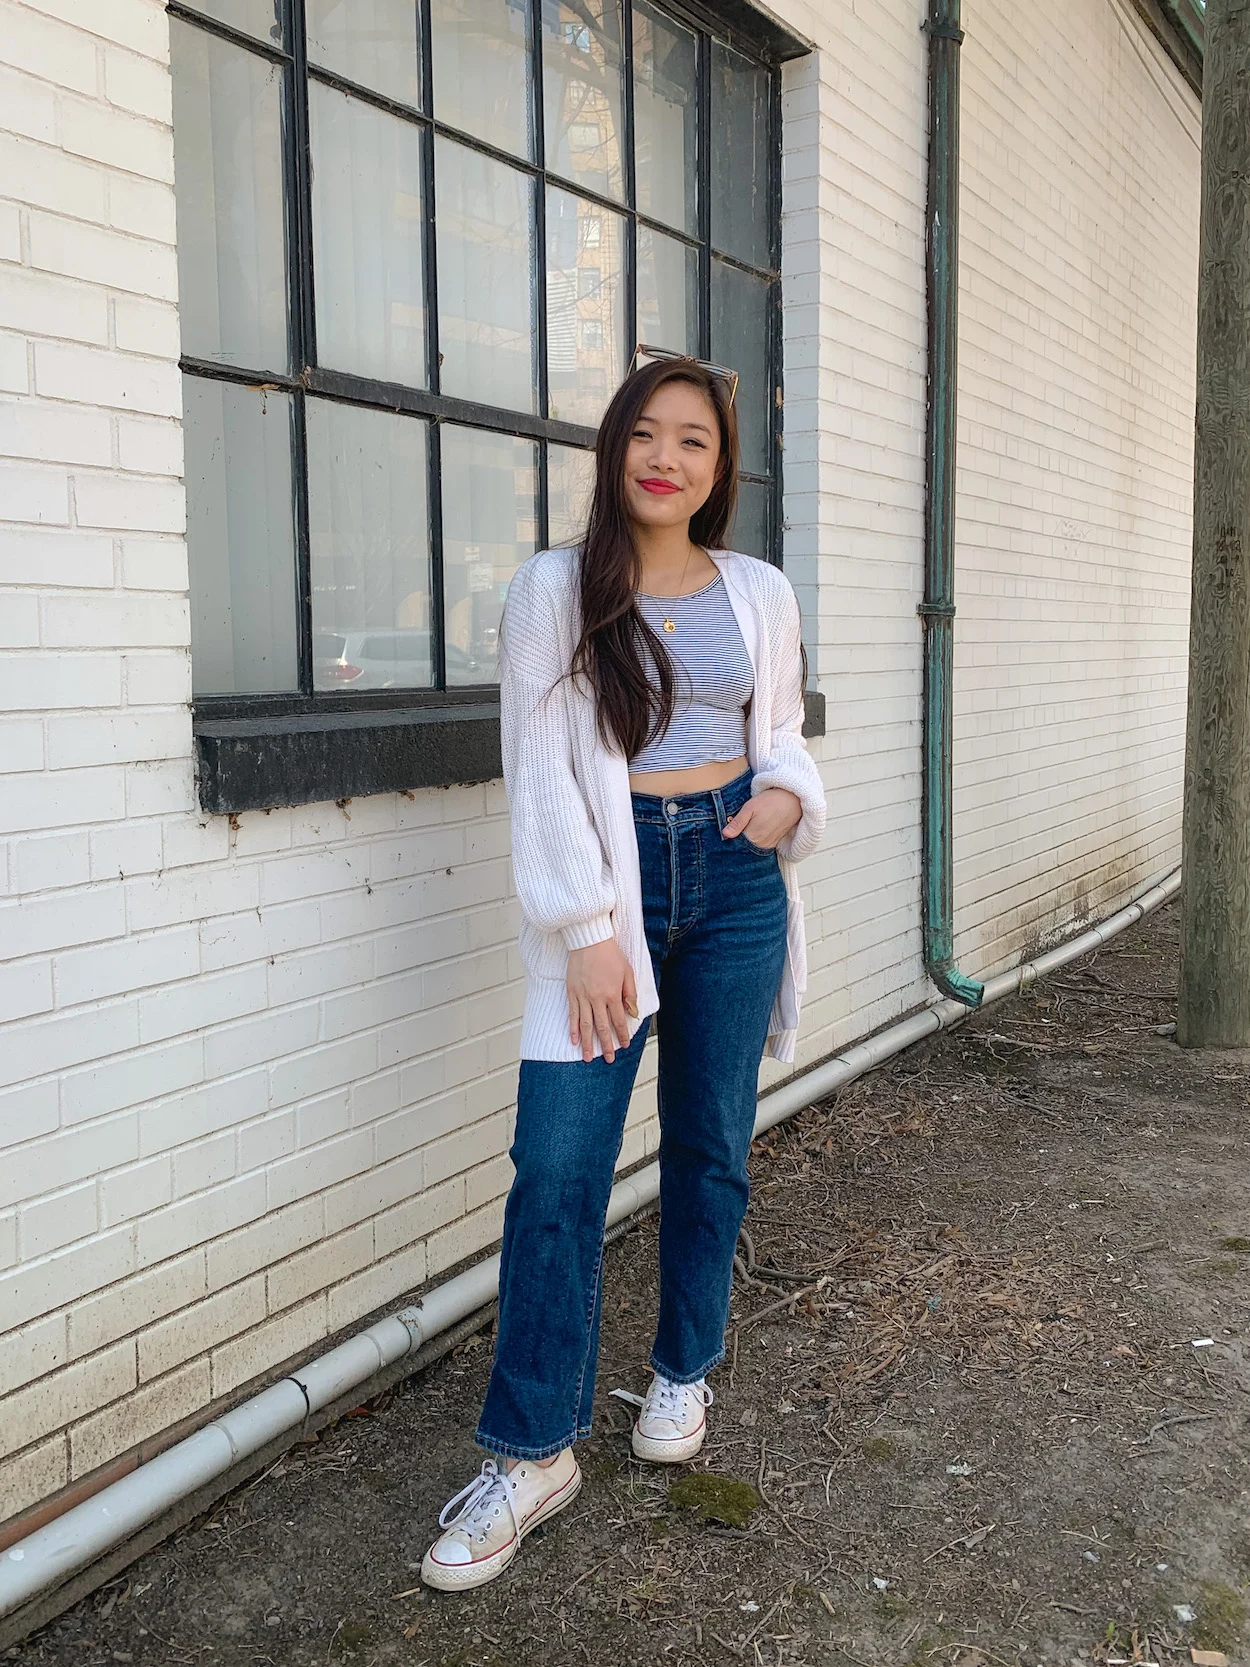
point(629, 992)
point(587, 1030)
point(603, 1028)
point(618, 1021)
point(575, 1019)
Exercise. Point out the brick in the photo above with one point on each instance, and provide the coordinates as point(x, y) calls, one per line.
point(142, 325)
point(49, 862)
point(116, 1084)
point(29, 1110)
point(14, 371)
point(34, 1476)
point(131, 964)
point(265, 1141)
point(66, 798)
point(372, 1192)
point(131, 503)
point(203, 1109)
point(195, 839)
point(131, 144)
point(137, 83)
point(160, 789)
point(140, 25)
point(152, 1409)
point(464, 1238)
point(49, 434)
point(67, 1156)
point(115, 621)
point(46, 48)
point(74, 742)
point(66, 1277)
point(270, 1345)
point(277, 1235)
point(158, 679)
point(19, 623)
point(136, 1304)
point(135, 1192)
point(25, 989)
point(29, 106)
point(318, 1268)
point(8, 1239)
point(45, 177)
point(152, 448)
point(51, 559)
point(10, 232)
point(206, 1163)
point(36, 925)
point(32, 1352)
point(94, 376)
point(376, 1287)
point(57, 1221)
point(36, 494)
point(45, 306)
point(43, 682)
point(198, 1329)
point(131, 848)
point(197, 1219)
point(418, 1217)
point(322, 1166)
point(21, 745)
point(63, 1396)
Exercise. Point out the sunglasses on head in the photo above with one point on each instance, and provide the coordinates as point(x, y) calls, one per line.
point(644, 355)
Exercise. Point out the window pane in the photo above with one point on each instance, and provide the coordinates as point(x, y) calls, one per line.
point(668, 292)
point(370, 41)
point(253, 17)
point(664, 118)
point(231, 225)
point(489, 528)
point(585, 306)
point(369, 548)
point(582, 92)
point(485, 230)
point(740, 206)
point(367, 239)
point(240, 538)
point(482, 70)
point(749, 532)
point(740, 308)
point(570, 482)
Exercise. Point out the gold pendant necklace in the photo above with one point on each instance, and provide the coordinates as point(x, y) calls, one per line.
point(670, 625)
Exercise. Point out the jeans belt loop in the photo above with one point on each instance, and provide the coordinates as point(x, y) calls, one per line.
point(721, 818)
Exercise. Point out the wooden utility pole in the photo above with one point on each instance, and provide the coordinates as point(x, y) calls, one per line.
point(1214, 1008)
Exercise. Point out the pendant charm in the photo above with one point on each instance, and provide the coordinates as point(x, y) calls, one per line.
point(669, 625)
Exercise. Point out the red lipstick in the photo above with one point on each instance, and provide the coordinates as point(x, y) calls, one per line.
point(660, 487)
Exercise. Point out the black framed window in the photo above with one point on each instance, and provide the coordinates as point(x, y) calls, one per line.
point(418, 241)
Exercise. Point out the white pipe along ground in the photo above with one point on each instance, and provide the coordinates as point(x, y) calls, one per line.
point(73, 1540)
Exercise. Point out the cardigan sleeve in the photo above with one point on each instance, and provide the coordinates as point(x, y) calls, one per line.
point(788, 763)
point(562, 877)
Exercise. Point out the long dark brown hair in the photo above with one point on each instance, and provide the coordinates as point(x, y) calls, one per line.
point(616, 640)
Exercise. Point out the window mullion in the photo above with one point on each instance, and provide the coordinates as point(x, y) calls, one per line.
point(703, 164)
point(302, 329)
point(429, 252)
point(631, 184)
point(775, 342)
point(539, 131)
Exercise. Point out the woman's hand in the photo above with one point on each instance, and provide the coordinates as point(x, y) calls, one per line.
point(600, 984)
point(766, 818)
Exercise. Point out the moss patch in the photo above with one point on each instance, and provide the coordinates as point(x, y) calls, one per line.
point(351, 1641)
point(1222, 1617)
point(878, 1449)
point(1237, 1243)
point(715, 1498)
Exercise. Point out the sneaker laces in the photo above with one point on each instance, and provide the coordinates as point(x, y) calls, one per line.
point(476, 1502)
point(666, 1399)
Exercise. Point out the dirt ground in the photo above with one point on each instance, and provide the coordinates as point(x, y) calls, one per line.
point(988, 1402)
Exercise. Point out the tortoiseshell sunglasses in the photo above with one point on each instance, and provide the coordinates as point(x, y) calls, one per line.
point(644, 355)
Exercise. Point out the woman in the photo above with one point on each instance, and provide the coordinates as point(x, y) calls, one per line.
point(652, 706)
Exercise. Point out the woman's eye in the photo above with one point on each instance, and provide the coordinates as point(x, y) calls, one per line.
point(701, 444)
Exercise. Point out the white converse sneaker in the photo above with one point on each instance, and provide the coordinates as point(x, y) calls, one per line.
point(672, 1422)
point(496, 1512)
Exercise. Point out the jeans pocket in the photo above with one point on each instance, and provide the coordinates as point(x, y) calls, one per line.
point(757, 850)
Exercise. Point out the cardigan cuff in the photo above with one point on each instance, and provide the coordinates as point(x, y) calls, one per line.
point(582, 933)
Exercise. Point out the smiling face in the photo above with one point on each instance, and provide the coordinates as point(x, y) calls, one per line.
point(673, 456)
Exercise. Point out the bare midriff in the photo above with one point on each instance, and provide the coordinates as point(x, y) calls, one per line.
point(700, 778)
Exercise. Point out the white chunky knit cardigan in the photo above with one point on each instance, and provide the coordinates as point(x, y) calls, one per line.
point(574, 849)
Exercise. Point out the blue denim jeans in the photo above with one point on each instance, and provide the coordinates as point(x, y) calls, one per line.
point(716, 927)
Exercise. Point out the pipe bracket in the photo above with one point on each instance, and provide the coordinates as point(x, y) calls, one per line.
point(943, 32)
point(936, 610)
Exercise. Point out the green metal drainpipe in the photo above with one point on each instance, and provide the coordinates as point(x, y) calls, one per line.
point(937, 611)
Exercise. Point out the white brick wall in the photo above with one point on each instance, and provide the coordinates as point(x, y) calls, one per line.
point(256, 1080)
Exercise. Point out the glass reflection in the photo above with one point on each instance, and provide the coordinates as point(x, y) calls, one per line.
point(261, 18)
point(665, 123)
point(668, 292)
point(369, 548)
point(482, 81)
point(490, 526)
point(740, 316)
point(367, 239)
point(740, 125)
point(373, 42)
point(585, 306)
point(485, 230)
point(570, 483)
point(749, 532)
point(582, 103)
point(240, 538)
point(231, 224)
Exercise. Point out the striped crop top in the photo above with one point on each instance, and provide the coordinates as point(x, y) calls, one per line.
point(713, 678)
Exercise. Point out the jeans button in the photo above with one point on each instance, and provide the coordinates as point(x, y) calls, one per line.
point(671, 807)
